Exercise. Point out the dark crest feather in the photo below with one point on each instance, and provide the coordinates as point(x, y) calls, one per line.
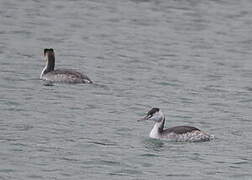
point(152, 111)
point(46, 50)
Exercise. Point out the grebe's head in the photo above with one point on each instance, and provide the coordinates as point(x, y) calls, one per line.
point(50, 61)
point(155, 114)
point(49, 53)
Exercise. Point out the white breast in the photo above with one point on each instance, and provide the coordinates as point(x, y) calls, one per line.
point(154, 132)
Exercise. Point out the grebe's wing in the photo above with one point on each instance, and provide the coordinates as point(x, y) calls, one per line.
point(181, 129)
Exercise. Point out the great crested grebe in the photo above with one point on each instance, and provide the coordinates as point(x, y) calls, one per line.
point(60, 75)
point(177, 133)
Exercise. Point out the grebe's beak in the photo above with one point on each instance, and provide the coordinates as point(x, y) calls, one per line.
point(144, 118)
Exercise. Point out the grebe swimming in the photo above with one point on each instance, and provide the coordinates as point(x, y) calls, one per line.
point(60, 75)
point(177, 133)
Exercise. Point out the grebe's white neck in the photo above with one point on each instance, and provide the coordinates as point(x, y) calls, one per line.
point(44, 70)
point(158, 127)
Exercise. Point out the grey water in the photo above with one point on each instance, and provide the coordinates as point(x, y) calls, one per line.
point(191, 58)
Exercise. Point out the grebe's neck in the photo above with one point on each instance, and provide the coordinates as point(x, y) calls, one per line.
point(157, 129)
point(50, 63)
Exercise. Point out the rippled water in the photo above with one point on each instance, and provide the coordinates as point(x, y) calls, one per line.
point(191, 58)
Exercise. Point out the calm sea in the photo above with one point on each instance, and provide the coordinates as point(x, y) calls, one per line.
point(191, 58)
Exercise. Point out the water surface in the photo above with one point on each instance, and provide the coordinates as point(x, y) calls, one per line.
point(191, 58)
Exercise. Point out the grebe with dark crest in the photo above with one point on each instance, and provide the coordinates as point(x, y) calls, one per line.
point(177, 133)
point(60, 75)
